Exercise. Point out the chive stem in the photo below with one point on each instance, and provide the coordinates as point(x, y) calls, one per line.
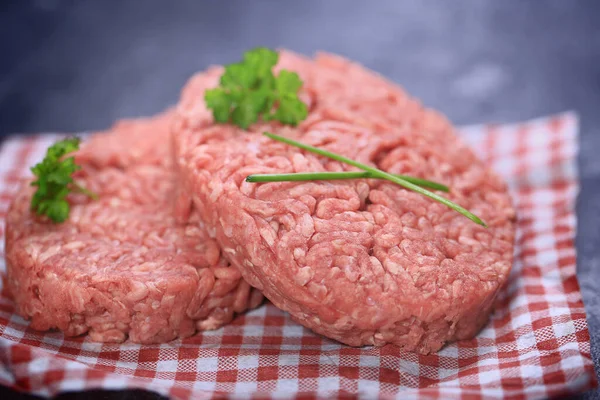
point(377, 173)
point(85, 191)
point(326, 176)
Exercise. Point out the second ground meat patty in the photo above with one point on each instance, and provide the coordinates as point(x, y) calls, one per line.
point(363, 262)
point(121, 266)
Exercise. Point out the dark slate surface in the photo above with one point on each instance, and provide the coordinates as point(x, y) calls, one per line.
point(69, 65)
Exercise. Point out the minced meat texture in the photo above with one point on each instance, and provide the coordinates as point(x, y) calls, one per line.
point(129, 142)
point(365, 262)
point(121, 266)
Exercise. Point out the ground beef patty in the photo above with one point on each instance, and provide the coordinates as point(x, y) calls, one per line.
point(130, 142)
point(363, 261)
point(121, 266)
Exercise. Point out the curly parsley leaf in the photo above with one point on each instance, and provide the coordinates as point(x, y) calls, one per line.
point(287, 82)
point(248, 90)
point(220, 102)
point(54, 181)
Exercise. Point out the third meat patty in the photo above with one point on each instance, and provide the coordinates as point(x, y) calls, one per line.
point(364, 262)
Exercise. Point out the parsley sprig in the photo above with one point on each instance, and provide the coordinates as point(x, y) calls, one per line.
point(54, 181)
point(249, 90)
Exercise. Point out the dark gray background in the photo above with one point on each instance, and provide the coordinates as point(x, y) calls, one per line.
point(70, 65)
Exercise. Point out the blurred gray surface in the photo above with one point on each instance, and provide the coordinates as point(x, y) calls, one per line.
point(79, 65)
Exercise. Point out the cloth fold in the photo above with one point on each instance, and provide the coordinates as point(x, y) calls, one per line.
point(536, 344)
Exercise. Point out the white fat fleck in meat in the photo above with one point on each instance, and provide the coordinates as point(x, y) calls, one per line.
point(299, 253)
point(268, 235)
point(137, 292)
point(74, 245)
point(392, 267)
point(227, 229)
point(304, 275)
point(49, 253)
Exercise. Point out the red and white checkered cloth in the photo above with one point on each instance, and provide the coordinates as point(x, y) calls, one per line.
point(536, 345)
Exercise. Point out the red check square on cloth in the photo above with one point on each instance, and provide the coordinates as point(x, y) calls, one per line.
point(536, 345)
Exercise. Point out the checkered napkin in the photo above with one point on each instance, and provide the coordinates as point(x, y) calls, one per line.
point(536, 345)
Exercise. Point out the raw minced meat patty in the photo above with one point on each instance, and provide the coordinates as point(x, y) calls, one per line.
point(365, 262)
point(129, 142)
point(121, 266)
